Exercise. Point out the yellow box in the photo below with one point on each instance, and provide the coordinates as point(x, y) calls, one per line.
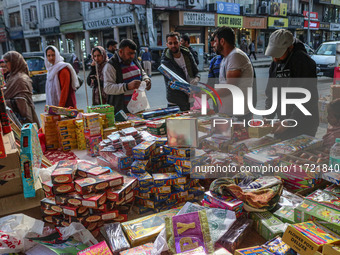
point(45, 118)
point(257, 132)
point(331, 249)
point(303, 244)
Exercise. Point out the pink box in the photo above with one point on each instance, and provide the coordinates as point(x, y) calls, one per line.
point(100, 248)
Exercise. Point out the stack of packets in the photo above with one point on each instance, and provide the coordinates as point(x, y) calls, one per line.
point(67, 134)
point(157, 127)
point(80, 132)
point(93, 134)
point(162, 191)
point(272, 154)
point(212, 200)
point(309, 238)
point(86, 193)
point(107, 110)
point(100, 248)
point(56, 110)
point(49, 127)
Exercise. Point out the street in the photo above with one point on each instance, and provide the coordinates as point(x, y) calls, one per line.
point(157, 94)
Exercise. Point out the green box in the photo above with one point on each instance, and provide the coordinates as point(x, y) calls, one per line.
point(267, 225)
point(285, 214)
point(326, 216)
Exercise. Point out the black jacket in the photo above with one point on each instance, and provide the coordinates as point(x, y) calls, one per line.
point(118, 100)
point(195, 54)
point(298, 70)
point(175, 96)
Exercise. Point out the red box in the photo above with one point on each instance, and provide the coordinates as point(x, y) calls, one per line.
point(64, 171)
point(70, 199)
point(121, 218)
point(86, 169)
point(94, 200)
point(117, 194)
point(110, 215)
point(49, 212)
point(99, 183)
point(50, 204)
point(63, 188)
point(48, 187)
point(74, 211)
point(107, 207)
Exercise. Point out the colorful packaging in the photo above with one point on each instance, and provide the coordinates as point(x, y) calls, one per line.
point(115, 237)
point(144, 249)
point(97, 249)
point(142, 150)
point(92, 145)
point(325, 198)
point(267, 225)
point(117, 194)
point(98, 184)
point(144, 180)
point(64, 172)
point(229, 203)
point(55, 110)
point(70, 199)
point(285, 214)
point(62, 188)
point(94, 200)
point(86, 169)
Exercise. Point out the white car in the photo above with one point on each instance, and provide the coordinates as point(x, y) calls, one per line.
point(324, 58)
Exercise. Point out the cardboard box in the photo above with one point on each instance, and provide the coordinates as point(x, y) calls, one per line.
point(267, 225)
point(10, 176)
point(252, 251)
point(64, 172)
point(285, 214)
point(302, 243)
point(309, 210)
point(331, 249)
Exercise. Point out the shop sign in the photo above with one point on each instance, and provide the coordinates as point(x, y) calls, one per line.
point(72, 27)
point(49, 31)
point(334, 27)
point(115, 21)
point(228, 8)
point(229, 20)
point(32, 33)
point(3, 35)
point(314, 25)
point(335, 2)
point(295, 22)
point(324, 25)
point(16, 35)
point(325, 1)
point(277, 23)
point(140, 2)
point(254, 23)
point(198, 19)
point(313, 15)
point(278, 9)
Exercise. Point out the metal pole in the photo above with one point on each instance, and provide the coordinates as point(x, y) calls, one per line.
point(310, 3)
point(99, 88)
point(87, 98)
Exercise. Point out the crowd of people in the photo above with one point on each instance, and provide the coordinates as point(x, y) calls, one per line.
point(116, 72)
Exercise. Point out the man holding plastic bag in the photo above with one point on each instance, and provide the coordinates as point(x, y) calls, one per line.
point(124, 80)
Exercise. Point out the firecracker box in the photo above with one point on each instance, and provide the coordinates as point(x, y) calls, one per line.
point(55, 110)
point(331, 249)
point(257, 132)
point(100, 248)
point(309, 210)
point(256, 250)
point(64, 172)
point(307, 238)
point(86, 169)
point(285, 214)
point(267, 225)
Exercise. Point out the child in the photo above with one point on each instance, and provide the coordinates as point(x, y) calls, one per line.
point(333, 118)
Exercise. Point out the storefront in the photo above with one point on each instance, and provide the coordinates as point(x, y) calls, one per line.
point(252, 31)
point(335, 31)
point(104, 29)
point(233, 21)
point(32, 40)
point(17, 36)
point(50, 36)
point(72, 34)
point(295, 25)
point(314, 25)
point(325, 31)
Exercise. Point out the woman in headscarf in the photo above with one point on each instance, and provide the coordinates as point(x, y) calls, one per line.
point(61, 81)
point(100, 59)
point(18, 92)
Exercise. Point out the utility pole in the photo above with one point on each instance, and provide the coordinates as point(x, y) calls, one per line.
point(310, 6)
point(135, 17)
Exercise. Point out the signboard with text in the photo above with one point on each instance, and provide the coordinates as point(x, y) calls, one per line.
point(313, 15)
point(115, 21)
point(228, 8)
point(229, 20)
point(197, 19)
point(277, 23)
point(314, 25)
point(140, 2)
point(278, 9)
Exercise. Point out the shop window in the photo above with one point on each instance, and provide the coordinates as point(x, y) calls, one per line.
point(94, 5)
point(49, 10)
point(14, 19)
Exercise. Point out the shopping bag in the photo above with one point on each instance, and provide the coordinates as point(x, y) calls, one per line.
point(139, 101)
point(198, 103)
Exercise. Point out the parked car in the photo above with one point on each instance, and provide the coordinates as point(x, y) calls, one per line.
point(309, 49)
point(324, 58)
point(37, 70)
point(156, 54)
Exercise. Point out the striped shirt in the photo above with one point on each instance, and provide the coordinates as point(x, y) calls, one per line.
point(130, 73)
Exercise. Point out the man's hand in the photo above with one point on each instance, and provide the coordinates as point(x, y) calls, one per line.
point(148, 84)
point(195, 81)
point(133, 85)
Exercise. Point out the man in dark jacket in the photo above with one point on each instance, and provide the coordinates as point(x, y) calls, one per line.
point(180, 60)
point(122, 75)
point(292, 67)
point(185, 42)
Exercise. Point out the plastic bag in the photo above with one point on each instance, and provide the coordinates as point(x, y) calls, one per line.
point(219, 221)
point(115, 237)
point(14, 228)
point(198, 103)
point(139, 101)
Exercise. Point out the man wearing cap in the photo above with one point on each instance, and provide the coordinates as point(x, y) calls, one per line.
point(291, 67)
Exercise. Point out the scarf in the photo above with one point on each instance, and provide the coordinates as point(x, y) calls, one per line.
point(100, 66)
point(53, 90)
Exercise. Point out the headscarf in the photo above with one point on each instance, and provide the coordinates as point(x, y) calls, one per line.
point(18, 63)
point(53, 90)
point(105, 58)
